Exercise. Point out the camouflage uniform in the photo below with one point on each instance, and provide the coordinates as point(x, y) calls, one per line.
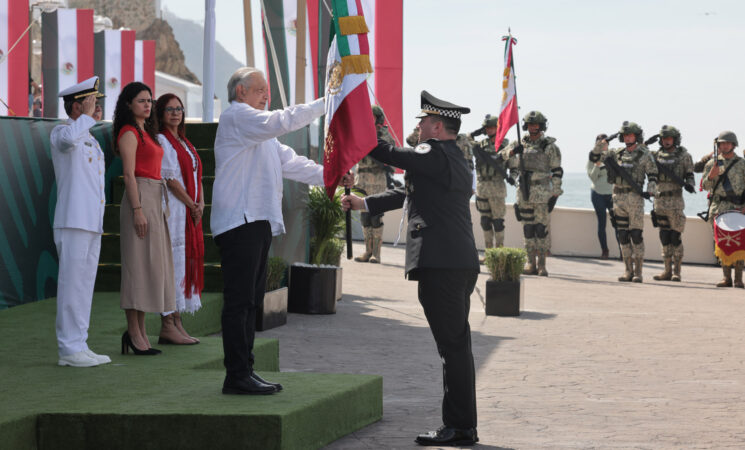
point(628, 205)
point(490, 193)
point(539, 168)
point(371, 178)
point(727, 196)
point(669, 203)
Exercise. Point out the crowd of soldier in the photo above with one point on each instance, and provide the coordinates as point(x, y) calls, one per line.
point(534, 166)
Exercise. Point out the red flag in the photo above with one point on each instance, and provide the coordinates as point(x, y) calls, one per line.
point(508, 113)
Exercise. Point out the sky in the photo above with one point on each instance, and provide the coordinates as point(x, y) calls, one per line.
point(586, 65)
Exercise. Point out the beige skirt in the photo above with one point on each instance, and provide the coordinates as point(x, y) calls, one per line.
point(147, 263)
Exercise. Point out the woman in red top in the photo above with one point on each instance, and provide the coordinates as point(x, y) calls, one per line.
point(147, 264)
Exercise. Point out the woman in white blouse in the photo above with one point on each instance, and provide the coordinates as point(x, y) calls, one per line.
point(182, 170)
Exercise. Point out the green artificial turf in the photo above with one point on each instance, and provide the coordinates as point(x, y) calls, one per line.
point(172, 400)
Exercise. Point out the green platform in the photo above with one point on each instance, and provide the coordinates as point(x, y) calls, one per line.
point(171, 400)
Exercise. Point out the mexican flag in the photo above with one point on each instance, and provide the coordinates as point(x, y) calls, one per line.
point(14, 84)
point(350, 126)
point(115, 65)
point(508, 113)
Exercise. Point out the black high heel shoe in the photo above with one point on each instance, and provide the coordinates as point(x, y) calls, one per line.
point(127, 344)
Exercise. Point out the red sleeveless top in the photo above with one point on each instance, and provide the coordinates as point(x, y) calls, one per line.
point(149, 156)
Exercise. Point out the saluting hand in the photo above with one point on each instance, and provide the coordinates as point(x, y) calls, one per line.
point(89, 105)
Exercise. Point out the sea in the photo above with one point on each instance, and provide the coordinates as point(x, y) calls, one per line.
point(576, 188)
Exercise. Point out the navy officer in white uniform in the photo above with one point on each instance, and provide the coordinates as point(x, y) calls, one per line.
point(79, 168)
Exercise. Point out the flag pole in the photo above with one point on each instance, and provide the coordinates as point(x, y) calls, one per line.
point(512, 65)
point(348, 224)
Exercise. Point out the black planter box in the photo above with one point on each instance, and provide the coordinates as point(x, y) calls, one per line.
point(504, 298)
point(273, 313)
point(314, 290)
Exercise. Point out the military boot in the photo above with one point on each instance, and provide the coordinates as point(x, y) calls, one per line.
point(377, 242)
point(727, 280)
point(542, 272)
point(530, 269)
point(638, 262)
point(628, 272)
point(666, 274)
point(367, 234)
point(676, 268)
point(738, 275)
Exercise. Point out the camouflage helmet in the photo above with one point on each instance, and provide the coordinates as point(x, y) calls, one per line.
point(670, 131)
point(490, 121)
point(631, 128)
point(378, 113)
point(727, 136)
point(535, 117)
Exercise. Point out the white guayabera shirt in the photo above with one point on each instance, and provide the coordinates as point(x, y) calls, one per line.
point(250, 163)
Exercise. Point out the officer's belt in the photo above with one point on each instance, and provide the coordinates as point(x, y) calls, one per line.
point(675, 193)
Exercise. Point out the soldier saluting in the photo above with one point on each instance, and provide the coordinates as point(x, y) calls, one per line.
point(724, 178)
point(491, 172)
point(675, 167)
point(627, 168)
point(537, 160)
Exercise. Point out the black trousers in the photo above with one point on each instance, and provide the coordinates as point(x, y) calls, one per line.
point(243, 253)
point(445, 295)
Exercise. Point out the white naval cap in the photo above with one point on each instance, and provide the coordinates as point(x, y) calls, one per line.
point(82, 89)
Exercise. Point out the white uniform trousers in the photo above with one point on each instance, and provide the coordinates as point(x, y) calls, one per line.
point(78, 252)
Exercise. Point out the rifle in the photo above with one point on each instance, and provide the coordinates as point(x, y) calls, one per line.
point(611, 162)
point(611, 137)
point(704, 215)
point(652, 139)
point(484, 158)
point(524, 177)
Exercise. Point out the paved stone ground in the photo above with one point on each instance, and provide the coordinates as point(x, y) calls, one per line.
point(591, 362)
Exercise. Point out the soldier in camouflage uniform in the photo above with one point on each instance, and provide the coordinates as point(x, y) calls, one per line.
point(490, 188)
point(371, 178)
point(628, 205)
point(725, 182)
point(668, 200)
point(537, 160)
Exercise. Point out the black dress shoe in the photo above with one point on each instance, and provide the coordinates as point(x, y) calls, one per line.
point(246, 386)
point(446, 436)
point(256, 377)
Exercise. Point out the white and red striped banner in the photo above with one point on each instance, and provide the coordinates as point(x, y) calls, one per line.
point(14, 82)
point(145, 63)
point(115, 65)
point(66, 55)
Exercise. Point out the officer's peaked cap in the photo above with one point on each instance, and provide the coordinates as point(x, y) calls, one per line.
point(433, 106)
point(82, 89)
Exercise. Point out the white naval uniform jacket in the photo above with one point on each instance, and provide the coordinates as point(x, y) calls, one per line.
point(250, 163)
point(79, 166)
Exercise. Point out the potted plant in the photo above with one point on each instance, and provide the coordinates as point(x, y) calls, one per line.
point(315, 287)
point(504, 291)
point(273, 312)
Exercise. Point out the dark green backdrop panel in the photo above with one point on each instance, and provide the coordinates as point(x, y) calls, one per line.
point(28, 193)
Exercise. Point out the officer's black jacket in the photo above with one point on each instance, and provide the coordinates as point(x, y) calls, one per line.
point(440, 232)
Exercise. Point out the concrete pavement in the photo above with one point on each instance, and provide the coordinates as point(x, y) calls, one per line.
point(591, 362)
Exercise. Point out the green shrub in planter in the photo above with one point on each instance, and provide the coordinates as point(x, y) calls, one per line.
point(505, 263)
point(327, 222)
point(504, 293)
point(276, 268)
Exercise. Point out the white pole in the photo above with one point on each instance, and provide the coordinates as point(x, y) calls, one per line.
point(208, 62)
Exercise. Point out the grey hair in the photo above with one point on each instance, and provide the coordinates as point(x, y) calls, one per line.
point(240, 77)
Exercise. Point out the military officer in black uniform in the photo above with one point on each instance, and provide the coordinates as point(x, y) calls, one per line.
point(440, 252)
